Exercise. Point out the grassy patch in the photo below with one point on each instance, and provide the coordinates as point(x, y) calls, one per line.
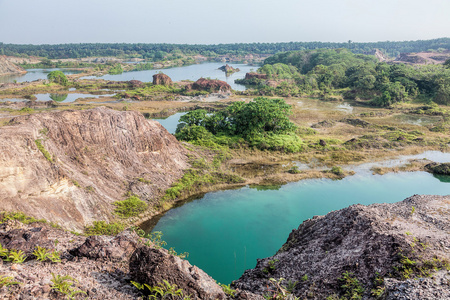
point(19, 216)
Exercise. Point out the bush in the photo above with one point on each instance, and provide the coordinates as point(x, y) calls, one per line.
point(130, 207)
point(57, 77)
point(103, 228)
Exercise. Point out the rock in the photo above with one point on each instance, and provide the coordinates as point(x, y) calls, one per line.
point(365, 241)
point(211, 85)
point(440, 169)
point(357, 122)
point(324, 124)
point(26, 240)
point(136, 83)
point(322, 143)
point(92, 156)
point(253, 75)
point(152, 266)
point(118, 248)
point(228, 69)
point(161, 79)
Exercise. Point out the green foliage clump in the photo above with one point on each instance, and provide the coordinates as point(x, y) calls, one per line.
point(65, 285)
point(104, 228)
point(116, 69)
point(163, 290)
point(227, 289)
point(26, 110)
point(336, 170)
point(57, 77)
point(6, 281)
point(262, 123)
point(130, 207)
point(43, 150)
point(43, 254)
point(351, 286)
point(19, 216)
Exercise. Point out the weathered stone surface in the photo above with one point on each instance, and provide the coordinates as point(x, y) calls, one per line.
point(161, 79)
point(93, 158)
point(152, 266)
point(119, 247)
point(363, 240)
point(99, 279)
point(26, 239)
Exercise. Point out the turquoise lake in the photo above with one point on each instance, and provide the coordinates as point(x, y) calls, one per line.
point(226, 231)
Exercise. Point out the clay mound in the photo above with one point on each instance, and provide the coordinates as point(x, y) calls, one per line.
point(7, 67)
point(88, 160)
point(161, 79)
point(212, 85)
point(365, 241)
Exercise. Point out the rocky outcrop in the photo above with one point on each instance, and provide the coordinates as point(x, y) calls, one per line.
point(365, 245)
point(210, 85)
point(153, 266)
point(253, 75)
point(7, 67)
point(117, 248)
point(440, 169)
point(161, 79)
point(69, 167)
point(228, 69)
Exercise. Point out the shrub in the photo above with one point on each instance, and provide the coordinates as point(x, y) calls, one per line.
point(130, 207)
point(57, 77)
point(104, 228)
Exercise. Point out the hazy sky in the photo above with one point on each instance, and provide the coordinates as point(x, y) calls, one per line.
point(226, 21)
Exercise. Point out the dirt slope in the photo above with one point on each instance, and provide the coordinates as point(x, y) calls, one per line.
point(7, 67)
point(94, 158)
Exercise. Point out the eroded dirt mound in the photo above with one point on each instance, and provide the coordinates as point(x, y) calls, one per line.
point(212, 85)
point(69, 167)
point(403, 240)
point(7, 67)
point(161, 79)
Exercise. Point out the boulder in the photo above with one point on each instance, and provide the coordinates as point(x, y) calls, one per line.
point(136, 83)
point(117, 248)
point(211, 85)
point(440, 169)
point(161, 79)
point(153, 266)
point(26, 240)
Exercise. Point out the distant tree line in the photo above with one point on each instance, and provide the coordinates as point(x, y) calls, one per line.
point(157, 52)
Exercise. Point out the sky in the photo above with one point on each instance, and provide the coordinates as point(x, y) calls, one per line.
point(226, 21)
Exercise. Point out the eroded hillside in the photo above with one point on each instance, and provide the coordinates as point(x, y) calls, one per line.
point(69, 167)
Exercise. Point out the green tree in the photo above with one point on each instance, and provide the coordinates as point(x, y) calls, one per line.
point(57, 77)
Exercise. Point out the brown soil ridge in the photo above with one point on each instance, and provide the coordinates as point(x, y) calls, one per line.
point(94, 157)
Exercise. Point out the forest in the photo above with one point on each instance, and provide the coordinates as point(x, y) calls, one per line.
point(157, 52)
point(332, 72)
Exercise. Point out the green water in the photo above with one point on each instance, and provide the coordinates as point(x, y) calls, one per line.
point(226, 231)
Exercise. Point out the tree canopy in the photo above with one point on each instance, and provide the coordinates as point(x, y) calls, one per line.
point(57, 77)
